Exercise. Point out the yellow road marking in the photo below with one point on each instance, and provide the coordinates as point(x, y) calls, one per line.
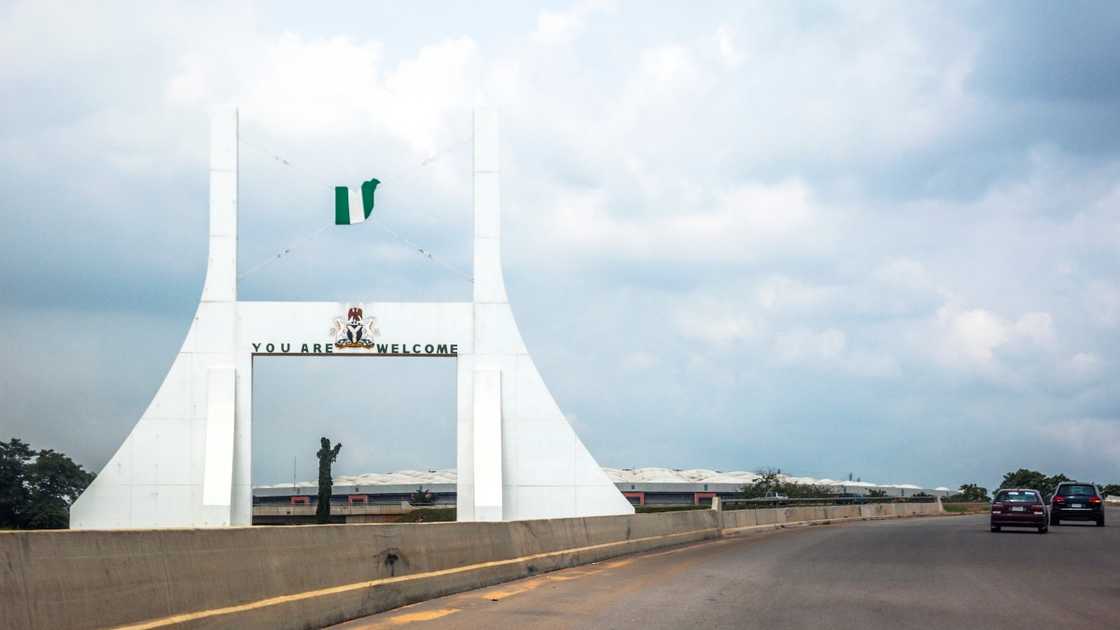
point(517, 588)
point(423, 615)
point(565, 578)
point(355, 586)
point(574, 573)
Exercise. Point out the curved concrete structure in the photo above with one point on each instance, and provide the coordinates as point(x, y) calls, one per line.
point(187, 462)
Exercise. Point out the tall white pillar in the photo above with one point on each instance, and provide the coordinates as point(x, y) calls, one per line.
point(490, 302)
point(221, 269)
point(489, 287)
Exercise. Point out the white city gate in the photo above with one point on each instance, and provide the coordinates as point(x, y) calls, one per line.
point(187, 462)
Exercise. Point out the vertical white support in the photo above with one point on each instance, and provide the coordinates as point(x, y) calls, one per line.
point(487, 445)
point(221, 270)
point(217, 484)
point(489, 288)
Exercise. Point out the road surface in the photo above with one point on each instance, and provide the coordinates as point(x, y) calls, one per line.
point(946, 572)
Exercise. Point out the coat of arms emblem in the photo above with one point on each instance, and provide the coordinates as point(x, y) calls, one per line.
point(356, 330)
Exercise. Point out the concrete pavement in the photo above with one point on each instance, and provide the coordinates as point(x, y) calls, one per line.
point(914, 573)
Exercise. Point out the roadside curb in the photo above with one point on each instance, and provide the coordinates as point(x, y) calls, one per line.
point(749, 529)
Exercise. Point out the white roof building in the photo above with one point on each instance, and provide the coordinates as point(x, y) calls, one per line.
point(650, 479)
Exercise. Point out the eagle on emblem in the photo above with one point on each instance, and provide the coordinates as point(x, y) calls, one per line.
point(355, 331)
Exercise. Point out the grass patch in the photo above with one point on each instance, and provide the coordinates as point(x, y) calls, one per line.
point(427, 515)
point(965, 508)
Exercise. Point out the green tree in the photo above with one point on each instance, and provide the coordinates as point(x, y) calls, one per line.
point(55, 482)
point(768, 480)
point(14, 457)
point(804, 490)
point(1026, 478)
point(38, 488)
point(971, 492)
point(1111, 490)
point(1052, 483)
point(421, 497)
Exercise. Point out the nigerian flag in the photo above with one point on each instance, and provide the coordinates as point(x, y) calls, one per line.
point(354, 207)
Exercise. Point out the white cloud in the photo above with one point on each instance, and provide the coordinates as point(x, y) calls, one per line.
point(713, 322)
point(641, 360)
point(971, 333)
point(743, 223)
point(1102, 303)
point(563, 27)
point(976, 334)
point(1084, 366)
point(1093, 439)
point(667, 64)
point(305, 88)
point(729, 52)
point(903, 273)
point(784, 293)
point(810, 347)
point(1037, 328)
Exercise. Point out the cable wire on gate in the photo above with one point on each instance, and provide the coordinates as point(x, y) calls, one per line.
point(425, 253)
point(283, 252)
point(311, 236)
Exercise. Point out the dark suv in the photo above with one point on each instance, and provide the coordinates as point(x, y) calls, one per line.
point(1073, 501)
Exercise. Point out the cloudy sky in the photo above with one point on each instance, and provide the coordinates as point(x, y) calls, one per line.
point(877, 238)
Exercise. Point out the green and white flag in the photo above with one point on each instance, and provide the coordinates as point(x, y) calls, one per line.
point(354, 207)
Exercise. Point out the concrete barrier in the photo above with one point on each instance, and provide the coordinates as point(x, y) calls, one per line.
point(296, 577)
point(734, 522)
point(310, 576)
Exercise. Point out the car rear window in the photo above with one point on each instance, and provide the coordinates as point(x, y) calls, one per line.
point(1017, 496)
point(1072, 491)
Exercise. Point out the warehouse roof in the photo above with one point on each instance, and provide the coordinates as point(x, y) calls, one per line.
point(616, 475)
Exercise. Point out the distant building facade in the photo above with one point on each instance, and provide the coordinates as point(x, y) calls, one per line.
point(641, 486)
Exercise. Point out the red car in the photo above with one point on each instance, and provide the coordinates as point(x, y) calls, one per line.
point(1019, 507)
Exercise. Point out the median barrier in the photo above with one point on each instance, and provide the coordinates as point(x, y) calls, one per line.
point(316, 575)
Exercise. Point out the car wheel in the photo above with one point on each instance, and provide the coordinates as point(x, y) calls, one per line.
point(1100, 522)
point(1043, 530)
point(995, 528)
point(1054, 521)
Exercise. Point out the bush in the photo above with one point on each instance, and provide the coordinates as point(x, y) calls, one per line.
point(428, 515)
point(421, 497)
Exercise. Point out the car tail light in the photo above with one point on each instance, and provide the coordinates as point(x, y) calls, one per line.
point(997, 507)
point(1059, 499)
point(1095, 500)
point(1037, 509)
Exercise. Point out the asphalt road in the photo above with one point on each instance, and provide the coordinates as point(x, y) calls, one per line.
point(946, 572)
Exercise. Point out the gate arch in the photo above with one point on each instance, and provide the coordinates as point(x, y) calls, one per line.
point(187, 461)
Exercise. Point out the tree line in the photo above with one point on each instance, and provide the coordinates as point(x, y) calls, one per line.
point(1026, 478)
point(37, 487)
point(770, 482)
